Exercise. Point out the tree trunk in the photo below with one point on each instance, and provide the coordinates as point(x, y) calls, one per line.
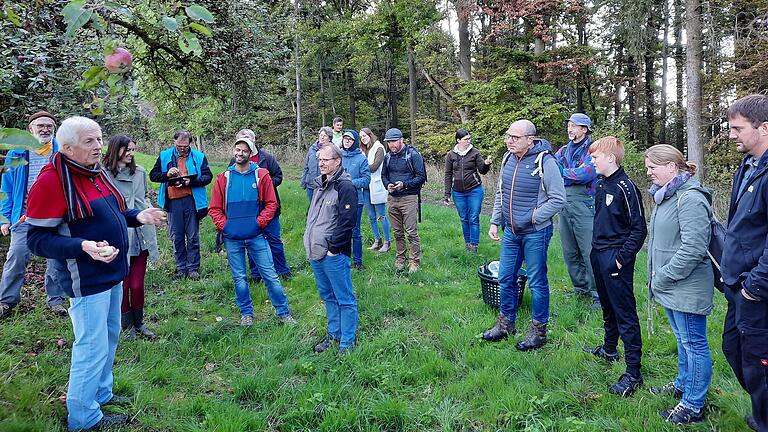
point(352, 104)
point(619, 78)
point(298, 74)
point(393, 118)
point(679, 68)
point(412, 92)
point(650, 102)
point(664, 77)
point(581, 30)
point(632, 96)
point(693, 79)
point(465, 59)
point(322, 90)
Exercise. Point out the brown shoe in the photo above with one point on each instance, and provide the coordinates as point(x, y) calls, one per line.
point(384, 247)
point(376, 245)
point(503, 328)
point(535, 338)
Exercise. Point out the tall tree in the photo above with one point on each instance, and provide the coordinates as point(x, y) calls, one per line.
point(693, 79)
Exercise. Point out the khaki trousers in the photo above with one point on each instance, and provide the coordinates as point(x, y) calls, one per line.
point(403, 214)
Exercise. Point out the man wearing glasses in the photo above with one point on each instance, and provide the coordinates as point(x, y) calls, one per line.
point(529, 194)
point(327, 240)
point(16, 184)
point(183, 174)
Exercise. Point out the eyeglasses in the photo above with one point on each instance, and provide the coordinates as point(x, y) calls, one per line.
point(515, 137)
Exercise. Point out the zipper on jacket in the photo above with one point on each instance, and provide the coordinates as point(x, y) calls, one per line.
point(511, 193)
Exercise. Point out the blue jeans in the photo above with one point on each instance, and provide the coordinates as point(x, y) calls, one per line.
point(357, 240)
point(694, 362)
point(531, 248)
point(272, 234)
point(96, 325)
point(257, 248)
point(469, 204)
point(334, 284)
point(376, 212)
point(185, 233)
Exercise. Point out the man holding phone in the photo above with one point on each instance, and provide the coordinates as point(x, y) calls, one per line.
point(183, 174)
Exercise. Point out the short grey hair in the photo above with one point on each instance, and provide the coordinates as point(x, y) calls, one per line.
point(328, 131)
point(71, 128)
point(246, 133)
point(527, 125)
point(336, 151)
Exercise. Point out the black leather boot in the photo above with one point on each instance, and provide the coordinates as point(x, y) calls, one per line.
point(127, 324)
point(503, 328)
point(138, 322)
point(535, 338)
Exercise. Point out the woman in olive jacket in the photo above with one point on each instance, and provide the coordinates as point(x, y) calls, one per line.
point(463, 166)
point(131, 180)
point(680, 273)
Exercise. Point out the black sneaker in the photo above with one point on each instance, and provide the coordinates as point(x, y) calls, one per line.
point(108, 421)
point(626, 386)
point(751, 422)
point(681, 415)
point(600, 352)
point(286, 276)
point(194, 275)
point(667, 389)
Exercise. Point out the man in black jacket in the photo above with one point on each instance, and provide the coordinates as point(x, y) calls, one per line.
point(745, 256)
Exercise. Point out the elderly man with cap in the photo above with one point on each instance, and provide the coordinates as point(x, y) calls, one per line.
point(243, 202)
point(576, 218)
point(16, 183)
point(79, 219)
point(272, 231)
point(403, 174)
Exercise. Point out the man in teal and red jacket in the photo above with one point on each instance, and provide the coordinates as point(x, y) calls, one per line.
point(243, 203)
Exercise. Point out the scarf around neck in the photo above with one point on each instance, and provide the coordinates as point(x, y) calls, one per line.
point(461, 153)
point(78, 206)
point(660, 193)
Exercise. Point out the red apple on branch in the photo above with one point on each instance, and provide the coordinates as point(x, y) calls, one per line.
point(119, 61)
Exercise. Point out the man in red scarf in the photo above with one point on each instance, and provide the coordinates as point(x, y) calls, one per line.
point(79, 220)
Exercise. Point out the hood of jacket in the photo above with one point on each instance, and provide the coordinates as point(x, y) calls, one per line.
point(251, 168)
point(355, 145)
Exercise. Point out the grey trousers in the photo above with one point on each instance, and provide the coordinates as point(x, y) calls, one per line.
point(16, 262)
point(576, 224)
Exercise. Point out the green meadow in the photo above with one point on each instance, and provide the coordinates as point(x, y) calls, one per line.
point(419, 364)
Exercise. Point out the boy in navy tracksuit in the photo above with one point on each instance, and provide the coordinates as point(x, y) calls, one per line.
point(619, 233)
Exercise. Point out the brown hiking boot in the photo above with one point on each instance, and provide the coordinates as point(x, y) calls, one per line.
point(376, 245)
point(501, 330)
point(535, 338)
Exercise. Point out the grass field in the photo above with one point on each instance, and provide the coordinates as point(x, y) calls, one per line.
point(419, 364)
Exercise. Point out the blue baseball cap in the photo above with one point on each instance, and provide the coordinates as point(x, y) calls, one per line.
point(393, 134)
point(580, 119)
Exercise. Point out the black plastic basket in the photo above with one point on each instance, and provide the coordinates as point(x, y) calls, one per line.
point(490, 286)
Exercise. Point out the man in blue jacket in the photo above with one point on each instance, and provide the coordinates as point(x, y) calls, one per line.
point(745, 256)
point(403, 174)
point(16, 183)
point(183, 174)
point(529, 194)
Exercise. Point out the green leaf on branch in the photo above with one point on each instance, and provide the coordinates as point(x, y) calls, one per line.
point(118, 8)
point(193, 42)
point(184, 45)
point(98, 23)
point(93, 77)
point(75, 16)
point(170, 24)
point(198, 12)
point(12, 17)
point(203, 30)
point(11, 138)
point(113, 79)
point(110, 46)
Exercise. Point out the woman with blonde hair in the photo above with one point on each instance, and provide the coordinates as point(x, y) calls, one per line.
point(680, 273)
point(375, 195)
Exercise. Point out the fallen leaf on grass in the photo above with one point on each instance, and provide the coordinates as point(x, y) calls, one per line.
point(219, 319)
point(210, 367)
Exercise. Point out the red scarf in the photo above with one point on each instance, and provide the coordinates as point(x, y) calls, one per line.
point(78, 206)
